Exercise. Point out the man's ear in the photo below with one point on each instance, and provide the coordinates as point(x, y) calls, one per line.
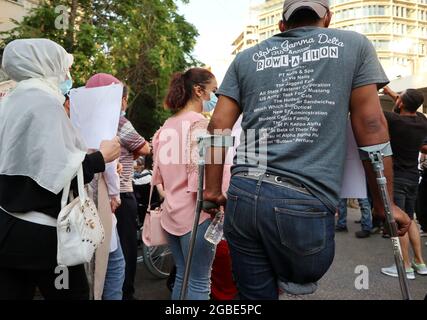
point(282, 26)
point(327, 20)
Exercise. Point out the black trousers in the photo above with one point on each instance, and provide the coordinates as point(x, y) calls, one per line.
point(16, 284)
point(28, 260)
point(127, 228)
point(422, 203)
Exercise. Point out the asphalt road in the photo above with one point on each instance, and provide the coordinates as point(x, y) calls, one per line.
point(339, 283)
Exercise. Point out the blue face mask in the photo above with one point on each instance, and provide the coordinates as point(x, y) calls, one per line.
point(209, 106)
point(66, 86)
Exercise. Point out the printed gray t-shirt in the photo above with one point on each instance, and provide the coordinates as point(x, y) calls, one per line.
point(294, 90)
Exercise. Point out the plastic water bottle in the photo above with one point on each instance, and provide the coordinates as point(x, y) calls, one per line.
point(215, 231)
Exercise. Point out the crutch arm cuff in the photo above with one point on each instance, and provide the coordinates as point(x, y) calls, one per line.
point(385, 150)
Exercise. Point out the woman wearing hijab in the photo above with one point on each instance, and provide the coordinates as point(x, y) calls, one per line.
point(40, 152)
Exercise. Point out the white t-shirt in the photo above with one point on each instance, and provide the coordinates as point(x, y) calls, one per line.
point(114, 237)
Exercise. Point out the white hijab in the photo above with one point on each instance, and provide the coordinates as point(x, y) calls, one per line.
point(37, 139)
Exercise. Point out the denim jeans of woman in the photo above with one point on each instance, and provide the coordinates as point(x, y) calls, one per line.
point(115, 277)
point(201, 267)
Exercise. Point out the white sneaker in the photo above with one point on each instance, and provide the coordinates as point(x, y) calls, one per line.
point(392, 272)
point(421, 269)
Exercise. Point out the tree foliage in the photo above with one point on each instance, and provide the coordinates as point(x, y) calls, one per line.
point(142, 42)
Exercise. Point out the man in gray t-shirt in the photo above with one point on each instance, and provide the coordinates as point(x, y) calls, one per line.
point(296, 87)
point(295, 91)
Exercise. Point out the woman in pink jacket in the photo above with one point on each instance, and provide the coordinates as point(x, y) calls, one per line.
point(175, 168)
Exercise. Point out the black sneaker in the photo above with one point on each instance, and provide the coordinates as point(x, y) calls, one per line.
point(341, 229)
point(363, 234)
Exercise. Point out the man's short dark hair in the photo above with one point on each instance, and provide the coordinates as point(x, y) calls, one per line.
point(412, 100)
point(302, 17)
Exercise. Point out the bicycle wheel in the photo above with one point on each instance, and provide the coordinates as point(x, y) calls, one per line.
point(158, 260)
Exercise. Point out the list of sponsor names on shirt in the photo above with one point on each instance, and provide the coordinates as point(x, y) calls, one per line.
point(297, 104)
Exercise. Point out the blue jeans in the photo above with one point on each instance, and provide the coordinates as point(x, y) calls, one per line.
point(199, 286)
point(366, 209)
point(279, 238)
point(115, 277)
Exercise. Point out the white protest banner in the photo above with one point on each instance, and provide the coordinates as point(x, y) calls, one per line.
point(95, 113)
point(354, 183)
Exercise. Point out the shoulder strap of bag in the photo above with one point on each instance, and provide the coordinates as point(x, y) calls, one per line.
point(65, 195)
point(151, 198)
point(80, 186)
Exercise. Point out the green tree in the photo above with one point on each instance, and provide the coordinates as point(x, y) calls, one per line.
point(142, 42)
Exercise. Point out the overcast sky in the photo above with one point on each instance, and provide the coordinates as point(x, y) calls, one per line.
point(219, 22)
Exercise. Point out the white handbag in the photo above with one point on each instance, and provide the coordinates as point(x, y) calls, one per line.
point(80, 231)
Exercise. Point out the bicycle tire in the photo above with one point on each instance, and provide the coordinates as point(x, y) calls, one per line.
point(151, 256)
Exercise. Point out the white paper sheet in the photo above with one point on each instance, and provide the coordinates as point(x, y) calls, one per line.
point(354, 183)
point(96, 113)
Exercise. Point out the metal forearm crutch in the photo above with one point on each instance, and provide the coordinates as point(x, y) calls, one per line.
point(204, 143)
point(376, 155)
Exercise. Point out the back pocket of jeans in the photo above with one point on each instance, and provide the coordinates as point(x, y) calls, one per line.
point(230, 212)
point(302, 232)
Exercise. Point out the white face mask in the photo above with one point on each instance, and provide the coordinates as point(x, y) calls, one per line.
point(209, 106)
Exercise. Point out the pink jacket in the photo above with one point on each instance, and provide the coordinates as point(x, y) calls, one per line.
point(175, 167)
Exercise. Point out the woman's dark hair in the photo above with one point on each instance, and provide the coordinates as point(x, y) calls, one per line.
point(181, 87)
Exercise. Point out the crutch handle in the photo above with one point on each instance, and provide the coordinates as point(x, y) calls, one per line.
point(208, 205)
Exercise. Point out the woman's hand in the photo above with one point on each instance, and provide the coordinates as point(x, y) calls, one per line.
point(110, 150)
point(119, 168)
point(115, 203)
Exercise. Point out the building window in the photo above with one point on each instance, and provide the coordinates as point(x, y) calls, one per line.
point(364, 28)
point(365, 11)
point(383, 45)
point(400, 29)
point(401, 12)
